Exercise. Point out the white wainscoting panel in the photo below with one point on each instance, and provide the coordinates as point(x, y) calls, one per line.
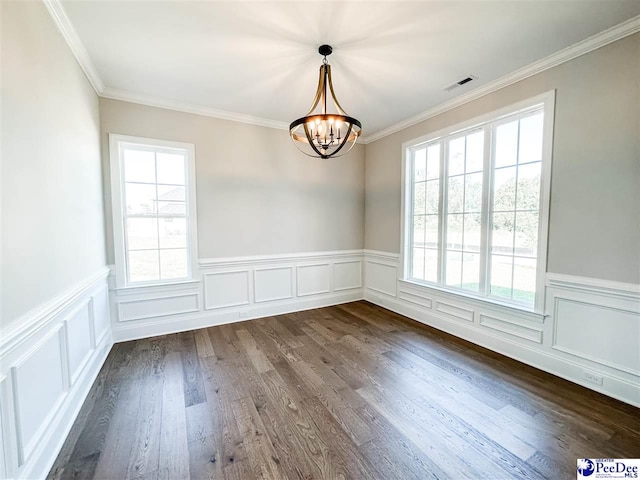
point(39, 387)
point(49, 359)
point(226, 289)
point(511, 326)
point(381, 277)
point(273, 283)
point(598, 332)
point(347, 275)
point(102, 325)
point(8, 449)
point(79, 338)
point(589, 332)
point(313, 279)
point(455, 311)
point(159, 306)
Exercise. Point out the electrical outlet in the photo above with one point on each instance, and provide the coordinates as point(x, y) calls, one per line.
point(592, 378)
point(243, 314)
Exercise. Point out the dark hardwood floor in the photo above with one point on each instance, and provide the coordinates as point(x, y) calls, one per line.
point(352, 391)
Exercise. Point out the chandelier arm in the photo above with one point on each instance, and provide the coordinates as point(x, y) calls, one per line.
point(345, 141)
point(306, 131)
point(333, 94)
point(319, 92)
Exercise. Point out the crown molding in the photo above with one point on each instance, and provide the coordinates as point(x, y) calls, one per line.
point(594, 42)
point(69, 33)
point(151, 101)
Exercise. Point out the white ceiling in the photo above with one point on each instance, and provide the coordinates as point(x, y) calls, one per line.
point(391, 60)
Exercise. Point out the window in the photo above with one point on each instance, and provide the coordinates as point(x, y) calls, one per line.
point(476, 205)
point(153, 192)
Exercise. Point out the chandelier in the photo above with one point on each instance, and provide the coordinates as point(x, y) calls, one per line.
point(325, 134)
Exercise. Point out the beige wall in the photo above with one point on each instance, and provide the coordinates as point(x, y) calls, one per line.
point(256, 193)
point(51, 200)
point(594, 226)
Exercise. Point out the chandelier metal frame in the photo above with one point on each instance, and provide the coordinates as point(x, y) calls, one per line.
point(326, 133)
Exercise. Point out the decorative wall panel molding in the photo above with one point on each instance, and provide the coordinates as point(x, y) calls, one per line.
point(8, 440)
point(37, 396)
point(272, 283)
point(596, 325)
point(80, 337)
point(381, 276)
point(453, 311)
point(47, 367)
point(511, 327)
point(102, 323)
point(157, 306)
point(227, 289)
point(347, 275)
point(240, 288)
point(313, 279)
point(412, 297)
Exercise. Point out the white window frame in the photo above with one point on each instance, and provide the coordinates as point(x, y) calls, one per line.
point(546, 101)
point(117, 192)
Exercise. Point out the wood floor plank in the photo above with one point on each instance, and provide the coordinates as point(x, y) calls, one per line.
point(192, 376)
point(203, 344)
point(174, 451)
point(238, 471)
point(270, 343)
point(391, 446)
point(288, 429)
point(204, 446)
point(144, 456)
point(341, 411)
point(116, 449)
point(352, 391)
point(255, 354)
point(350, 461)
point(224, 428)
point(290, 322)
point(289, 338)
point(260, 451)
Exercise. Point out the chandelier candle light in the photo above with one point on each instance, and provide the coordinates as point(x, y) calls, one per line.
point(325, 134)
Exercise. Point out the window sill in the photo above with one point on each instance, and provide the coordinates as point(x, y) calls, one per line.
point(484, 302)
point(156, 287)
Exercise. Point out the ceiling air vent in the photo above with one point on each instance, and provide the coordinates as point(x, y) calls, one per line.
point(459, 83)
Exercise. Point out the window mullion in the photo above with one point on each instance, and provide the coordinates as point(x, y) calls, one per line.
point(124, 217)
point(412, 212)
point(485, 231)
point(442, 208)
point(515, 212)
point(187, 220)
point(155, 164)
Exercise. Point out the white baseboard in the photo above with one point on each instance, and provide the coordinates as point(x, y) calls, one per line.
point(48, 364)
